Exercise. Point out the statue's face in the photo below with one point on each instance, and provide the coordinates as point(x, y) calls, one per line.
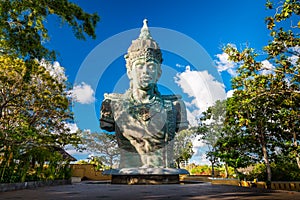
point(144, 74)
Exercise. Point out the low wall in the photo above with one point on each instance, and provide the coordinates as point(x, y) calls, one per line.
point(88, 171)
point(219, 181)
point(195, 178)
point(275, 185)
point(293, 185)
point(259, 184)
point(4, 187)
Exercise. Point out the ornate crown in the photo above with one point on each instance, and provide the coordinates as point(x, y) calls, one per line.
point(143, 47)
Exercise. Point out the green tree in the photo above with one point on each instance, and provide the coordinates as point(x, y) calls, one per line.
point(284, 51)
point(232, 147)
point(34, 104)
point(103, 145)
point(33, 116)
point(238, 141)
point(267, 98)
point(211, 128)
point(183, 146)
point(23, 31)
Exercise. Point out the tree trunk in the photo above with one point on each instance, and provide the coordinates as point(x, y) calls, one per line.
point(212, 170)
point(298, 161)
point(177, 161)
point(266, 157)
point(8, 156)
point(226, 170)
point(237, 173)
point(296, 145)
point(110, 162)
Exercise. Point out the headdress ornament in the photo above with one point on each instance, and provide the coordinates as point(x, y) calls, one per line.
point(143, 47)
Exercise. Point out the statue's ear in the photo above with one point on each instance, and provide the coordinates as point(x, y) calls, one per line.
point(129, 74)
point(158, 73)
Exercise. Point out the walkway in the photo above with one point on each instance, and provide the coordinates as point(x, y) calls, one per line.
point(96, 190)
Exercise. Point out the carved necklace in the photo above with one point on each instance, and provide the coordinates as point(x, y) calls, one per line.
point(145, 111)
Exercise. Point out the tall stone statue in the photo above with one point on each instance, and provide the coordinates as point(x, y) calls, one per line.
point(144, 121)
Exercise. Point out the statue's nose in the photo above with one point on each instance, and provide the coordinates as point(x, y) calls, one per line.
point(146, 69)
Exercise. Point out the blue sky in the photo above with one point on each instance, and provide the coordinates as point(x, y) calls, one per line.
point(191, 34)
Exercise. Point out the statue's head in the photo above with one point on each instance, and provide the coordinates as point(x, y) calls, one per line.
point(143, 60)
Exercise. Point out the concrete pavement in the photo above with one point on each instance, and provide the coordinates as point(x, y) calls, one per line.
point(88, 190)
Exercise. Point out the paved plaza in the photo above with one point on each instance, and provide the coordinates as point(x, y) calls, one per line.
point(100, 190)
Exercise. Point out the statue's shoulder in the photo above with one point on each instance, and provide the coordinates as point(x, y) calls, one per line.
point(176, 100)
point(172, 97)
point(113, 96)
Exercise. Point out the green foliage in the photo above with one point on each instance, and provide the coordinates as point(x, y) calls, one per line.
point(82, 162)
point(233, 150)
point(97, 161)
point(258, 172)
point(200, 170)
point(220, 170)
point(211, 123)
point(22, 25)
point(283, 11)
point(282, 170)
point(34, 105)
point(33, 116)
point(263, 114)
point(37, 164)
point(211, 129)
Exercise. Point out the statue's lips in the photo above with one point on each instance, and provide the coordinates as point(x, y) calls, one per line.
point(146, 78)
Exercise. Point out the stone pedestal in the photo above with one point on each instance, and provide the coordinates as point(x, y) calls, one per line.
point(145, 175)
point(141, 179)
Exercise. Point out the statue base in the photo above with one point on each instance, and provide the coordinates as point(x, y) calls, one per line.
point(141, 179)
point(148, 176)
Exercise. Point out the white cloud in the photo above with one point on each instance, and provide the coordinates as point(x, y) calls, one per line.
point(83, 93)
point(229, 93)
point(72, 126)
point(202, 88)
point(268, 68)
point(294, 58)
point(204, 91)
point(198, 142)
point(191, 117)
point(55, 70)
point(180, 66)
point(200, 154)
point(223, 64)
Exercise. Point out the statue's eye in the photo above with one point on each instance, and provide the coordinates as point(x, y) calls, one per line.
point(151, 66)
point(139, 65)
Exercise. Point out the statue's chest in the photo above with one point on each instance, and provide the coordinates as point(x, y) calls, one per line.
point(144, 117)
